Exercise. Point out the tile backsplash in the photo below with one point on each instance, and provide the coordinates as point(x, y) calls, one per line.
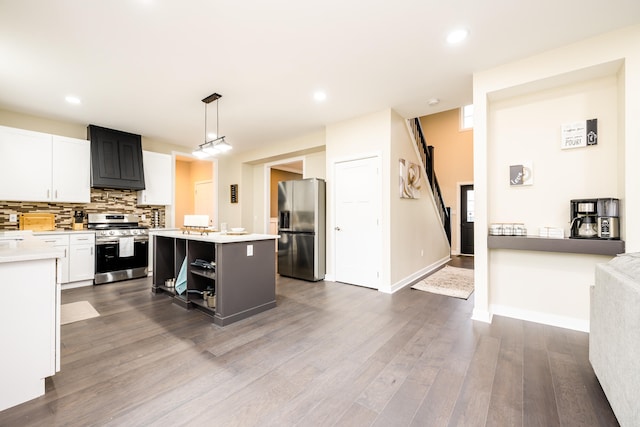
point(102, 201)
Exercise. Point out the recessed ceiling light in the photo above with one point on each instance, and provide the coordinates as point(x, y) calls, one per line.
point(72, 99)
point(456, 36)
point(319, 96)
point(433, 101)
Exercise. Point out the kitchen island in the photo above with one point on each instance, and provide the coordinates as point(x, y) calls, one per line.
point(237, 271)
point(29, 316)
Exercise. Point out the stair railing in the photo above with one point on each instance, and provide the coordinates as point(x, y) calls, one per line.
point(426, 153)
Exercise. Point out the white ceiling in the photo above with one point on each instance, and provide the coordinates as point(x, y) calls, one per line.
point(143, 66)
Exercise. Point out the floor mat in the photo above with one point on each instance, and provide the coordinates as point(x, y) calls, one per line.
point(76, 311)
point(450, 281)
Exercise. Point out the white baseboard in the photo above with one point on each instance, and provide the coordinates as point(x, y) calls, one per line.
point(481, 316)
point(415, 276)
point(73, 285)
point(565, 322)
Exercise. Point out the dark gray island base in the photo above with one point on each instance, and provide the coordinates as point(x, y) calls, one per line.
point(243, 277)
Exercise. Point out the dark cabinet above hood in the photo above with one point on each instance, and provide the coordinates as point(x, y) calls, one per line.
point(116, 159)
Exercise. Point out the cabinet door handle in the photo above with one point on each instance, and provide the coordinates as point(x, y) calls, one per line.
point(92, 250)
point(48, 193)
point(56, 196)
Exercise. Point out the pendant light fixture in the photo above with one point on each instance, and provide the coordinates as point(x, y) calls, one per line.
point(216, 145)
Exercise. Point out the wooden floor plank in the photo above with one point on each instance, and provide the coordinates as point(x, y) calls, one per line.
point(506, 406)
point(328, 354)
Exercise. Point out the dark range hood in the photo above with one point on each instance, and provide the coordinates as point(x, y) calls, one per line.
point(116, 159)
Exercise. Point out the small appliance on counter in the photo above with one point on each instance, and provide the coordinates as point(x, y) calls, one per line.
point(595, 218)
point(78, 218)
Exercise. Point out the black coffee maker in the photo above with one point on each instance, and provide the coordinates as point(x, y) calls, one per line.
point(595, 219)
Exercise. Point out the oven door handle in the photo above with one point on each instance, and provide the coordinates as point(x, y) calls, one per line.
point(106, 242)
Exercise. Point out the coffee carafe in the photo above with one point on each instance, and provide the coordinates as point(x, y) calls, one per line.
point(584, 218)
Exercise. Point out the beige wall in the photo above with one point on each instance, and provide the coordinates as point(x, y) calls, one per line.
point(453, 154)
point(418, 243)
point(519, 110)
point(248, 171)
point(73, 130)
point(413, 242)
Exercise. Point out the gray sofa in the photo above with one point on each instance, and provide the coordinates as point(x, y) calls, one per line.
point(614, 339)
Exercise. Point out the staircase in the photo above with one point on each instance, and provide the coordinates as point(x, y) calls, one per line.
point(426, 153)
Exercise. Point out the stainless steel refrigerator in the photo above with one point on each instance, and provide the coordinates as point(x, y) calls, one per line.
point(301, 226)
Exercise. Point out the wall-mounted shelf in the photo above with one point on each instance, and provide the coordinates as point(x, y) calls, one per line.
point(576, 246)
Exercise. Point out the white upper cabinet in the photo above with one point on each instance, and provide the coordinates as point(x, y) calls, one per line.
point(157, 178)
point(39, 167)
point(25, 171)
point(71, 170)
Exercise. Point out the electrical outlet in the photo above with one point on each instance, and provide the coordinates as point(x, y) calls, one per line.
point(422, 252)
point(249, 250)
point(143, 217)
point(13, 218)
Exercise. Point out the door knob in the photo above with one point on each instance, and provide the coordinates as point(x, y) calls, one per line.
point(337, 228)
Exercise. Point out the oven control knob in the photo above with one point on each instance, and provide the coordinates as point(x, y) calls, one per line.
point(112, 232)
point(135, 231)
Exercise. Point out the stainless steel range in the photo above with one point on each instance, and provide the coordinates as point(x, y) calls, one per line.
point(121, 247)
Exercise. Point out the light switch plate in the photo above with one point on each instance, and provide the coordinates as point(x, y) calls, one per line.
point(249, 250)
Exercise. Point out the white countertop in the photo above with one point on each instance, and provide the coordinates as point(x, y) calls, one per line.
point(24, 247)
point(63, 231)
point(217, 237)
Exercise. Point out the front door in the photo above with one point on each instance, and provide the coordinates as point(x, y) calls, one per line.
point(357, 223)
point(467, 207)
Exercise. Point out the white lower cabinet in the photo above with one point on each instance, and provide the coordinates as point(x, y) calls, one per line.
point(60, 241)
point(82, 257)
point(79, 261)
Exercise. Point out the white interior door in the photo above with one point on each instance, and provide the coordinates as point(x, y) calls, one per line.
point(203, 200)
point(357, 224)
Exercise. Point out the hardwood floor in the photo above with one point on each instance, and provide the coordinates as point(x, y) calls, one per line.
point(328, 354)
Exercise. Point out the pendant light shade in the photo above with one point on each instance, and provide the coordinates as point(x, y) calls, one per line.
point(214, 146)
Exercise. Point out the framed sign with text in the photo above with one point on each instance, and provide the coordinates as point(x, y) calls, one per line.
point(579, 134)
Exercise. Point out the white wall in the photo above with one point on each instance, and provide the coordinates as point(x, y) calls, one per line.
point(519, 108)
